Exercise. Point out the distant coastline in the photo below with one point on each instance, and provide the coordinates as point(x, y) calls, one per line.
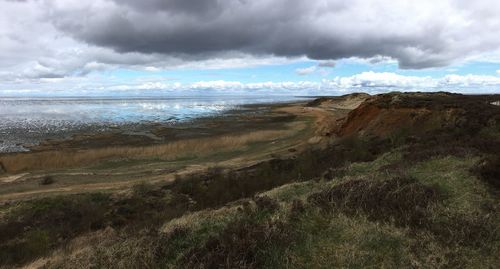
point(28, 121)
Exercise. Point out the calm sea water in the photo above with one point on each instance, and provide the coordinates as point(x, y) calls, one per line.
point(30, 120)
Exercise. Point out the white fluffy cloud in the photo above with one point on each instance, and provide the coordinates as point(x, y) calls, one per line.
point(377, 82)
point(370, 82)
point(384, 80)
point(306, 70)
point(471, 81)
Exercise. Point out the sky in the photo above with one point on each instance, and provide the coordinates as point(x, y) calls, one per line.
point(255, 47)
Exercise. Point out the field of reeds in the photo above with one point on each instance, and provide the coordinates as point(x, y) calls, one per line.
point(55, 159)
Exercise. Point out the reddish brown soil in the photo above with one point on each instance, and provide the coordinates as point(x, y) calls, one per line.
point(373, 118)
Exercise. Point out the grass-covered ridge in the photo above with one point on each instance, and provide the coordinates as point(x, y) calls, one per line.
point(298, 225)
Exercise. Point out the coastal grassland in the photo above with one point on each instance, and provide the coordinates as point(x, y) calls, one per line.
point(427, 218)
point(356, 203)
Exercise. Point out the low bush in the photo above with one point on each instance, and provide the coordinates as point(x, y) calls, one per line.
point(488, 169)
point(242, 244)
point(402, 200)
point(47, 180)
point(265, 203)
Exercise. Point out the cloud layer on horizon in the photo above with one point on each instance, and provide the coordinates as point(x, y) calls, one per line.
point(369, 82)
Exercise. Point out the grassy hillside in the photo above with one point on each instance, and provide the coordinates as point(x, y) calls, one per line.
point(369, 199)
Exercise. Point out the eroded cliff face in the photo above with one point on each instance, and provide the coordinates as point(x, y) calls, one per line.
point(417, 113)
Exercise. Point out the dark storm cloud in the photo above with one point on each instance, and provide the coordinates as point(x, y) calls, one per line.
point(195, 7)
point(418, 35)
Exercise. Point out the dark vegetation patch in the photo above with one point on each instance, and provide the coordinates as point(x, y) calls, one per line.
point(241, 245)
point(488, 170)
point(450, 141)
point(47, 180)
point(400, 200)
point(216, 186)
point(38, 226)
point(2, 168)
point(245, 242)
point(405, 202)
point(436, 101)
point(474, 230)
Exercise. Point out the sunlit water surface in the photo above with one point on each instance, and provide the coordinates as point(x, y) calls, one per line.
point(25, 121)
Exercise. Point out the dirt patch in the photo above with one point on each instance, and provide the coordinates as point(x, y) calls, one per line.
point(13, 178)
point(402, 200)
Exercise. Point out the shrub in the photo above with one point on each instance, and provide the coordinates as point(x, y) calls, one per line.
point(488, 169)
point(265, 203)
point(47, 180)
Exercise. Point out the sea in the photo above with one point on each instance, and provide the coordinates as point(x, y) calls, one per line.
point(26, 121)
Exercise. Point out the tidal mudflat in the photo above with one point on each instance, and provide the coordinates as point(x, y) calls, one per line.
point(27, 122)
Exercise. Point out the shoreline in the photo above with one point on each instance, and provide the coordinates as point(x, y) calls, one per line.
point(22, 139)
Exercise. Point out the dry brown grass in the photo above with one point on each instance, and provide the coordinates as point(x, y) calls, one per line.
point(15, 163)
